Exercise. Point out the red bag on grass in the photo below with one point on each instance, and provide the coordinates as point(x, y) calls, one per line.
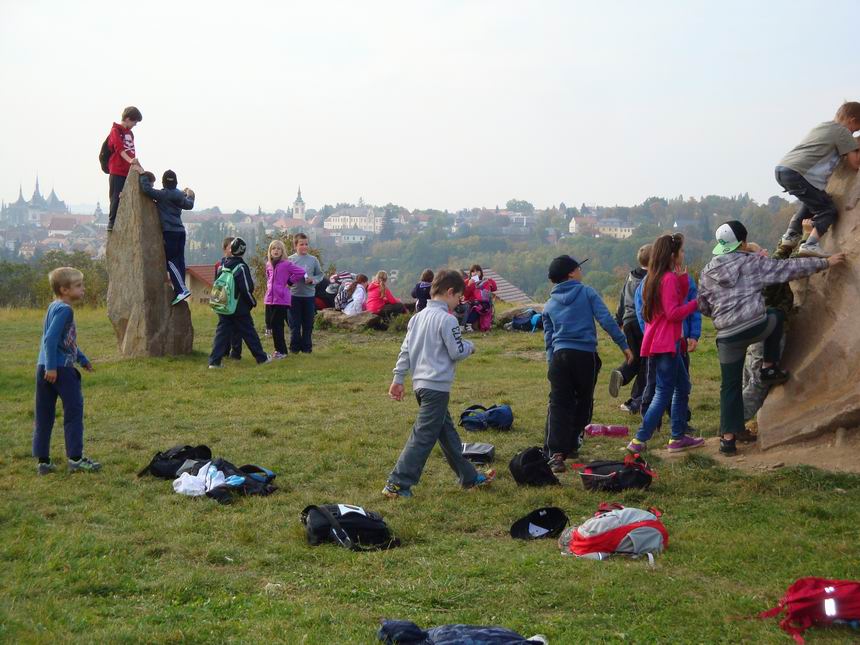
point(816, 601)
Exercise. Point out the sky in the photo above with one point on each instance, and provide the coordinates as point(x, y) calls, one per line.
point(437, 104)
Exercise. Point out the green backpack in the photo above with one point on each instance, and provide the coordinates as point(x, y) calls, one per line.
point(223, 297)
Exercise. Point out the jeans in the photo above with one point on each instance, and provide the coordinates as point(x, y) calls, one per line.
point(301, 318)
point(572, 376)
point(174, 251)
point(651, 386)
point(814, 202)
point(433, 424)
point(68, 388)
point(277, 316)
point(237, 324)
point(115, 185)
point(672, 388)
point(731, 352)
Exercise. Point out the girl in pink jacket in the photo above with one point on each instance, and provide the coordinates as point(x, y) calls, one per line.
point(664, 310)
point(280, 274)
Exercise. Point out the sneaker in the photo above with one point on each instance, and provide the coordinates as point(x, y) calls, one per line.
point(811, 250)
point(278, 356)
point(790, 240)
point(556, 463)
point(483, 479)
point(182, 296)
point(268, 332)
point(773, 375)
point(268, 360)
point(685, 442)
point(468, 329)
point(393, 491)
point(636, 447)
point(84, 464)
point(727, 447)
point(45, 468)
point(216, 366)
point(616, 379)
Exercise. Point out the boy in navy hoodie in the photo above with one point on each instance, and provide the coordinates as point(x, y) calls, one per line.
point(571, 350)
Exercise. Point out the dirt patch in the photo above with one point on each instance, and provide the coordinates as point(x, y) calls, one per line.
point(528, 355)
point(822, 452)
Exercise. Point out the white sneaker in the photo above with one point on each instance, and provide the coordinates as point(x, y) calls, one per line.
point(790, 240)
point(216, 367)
point(811, 250)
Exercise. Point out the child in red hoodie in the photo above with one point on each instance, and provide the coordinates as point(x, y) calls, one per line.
point(122, 158)
point(664, 310)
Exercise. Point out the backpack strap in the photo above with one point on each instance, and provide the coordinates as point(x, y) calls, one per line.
point(608, 507)
point(337, 532)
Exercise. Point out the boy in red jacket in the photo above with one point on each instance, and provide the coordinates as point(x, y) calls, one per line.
point(122, 158)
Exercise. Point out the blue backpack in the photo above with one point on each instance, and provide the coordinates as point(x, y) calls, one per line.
point(477, 417)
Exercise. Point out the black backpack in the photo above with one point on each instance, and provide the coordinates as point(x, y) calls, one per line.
point(165, 464)
point(352, 527)
point(105, 155)
point(479, 453)
point(615, 476)
point(529, 467)
point(246, 480)
point(547, 522)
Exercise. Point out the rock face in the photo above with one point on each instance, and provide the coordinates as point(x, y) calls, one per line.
point(823, 342)
point(139, 293)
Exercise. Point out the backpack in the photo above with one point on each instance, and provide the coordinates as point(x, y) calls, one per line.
point(342, 298)
point(529, 320)
point(479, 453)
point(529, 467)
point(616, 530)
point(105, 155)
point(245, 480)
point(817, 601)
point(222, 296)
point(352, 527)
point(547, 522)
point(477, 417)
point(615, 476)
point(166, 464)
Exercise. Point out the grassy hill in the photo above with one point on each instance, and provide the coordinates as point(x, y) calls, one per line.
point(114, 558)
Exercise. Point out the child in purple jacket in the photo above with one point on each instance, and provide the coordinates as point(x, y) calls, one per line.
point(280, 275)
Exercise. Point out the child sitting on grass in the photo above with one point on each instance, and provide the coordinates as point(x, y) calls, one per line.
point(421, 291)
point(431, 349)
point(571, 350)
point(281, 274)
point(56, 376)
point(664, 308)
point(730, 292)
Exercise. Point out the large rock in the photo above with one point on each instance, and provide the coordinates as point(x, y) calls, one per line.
point(139, 293)
point(823, 343)
point(339, 320)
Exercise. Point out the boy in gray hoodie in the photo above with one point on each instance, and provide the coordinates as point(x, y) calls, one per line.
point(432, 347)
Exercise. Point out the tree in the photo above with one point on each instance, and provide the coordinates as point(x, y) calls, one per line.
point(387, 231)
point(520, 206)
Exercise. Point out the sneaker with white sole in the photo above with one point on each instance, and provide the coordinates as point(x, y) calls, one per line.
point(276, 356)
point(393, 491)
point(685, 442)
point(636, 447)
point(812, 250)
point(482, 480)
point(84, 465)
point(556, 463)
point(616, 380)
point(45, 468)
point(216, 366)
point(182, 296)
point(790, 240)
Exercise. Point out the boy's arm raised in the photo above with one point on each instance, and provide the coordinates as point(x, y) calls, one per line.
point(772, 271)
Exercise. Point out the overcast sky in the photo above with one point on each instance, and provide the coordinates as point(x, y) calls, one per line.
point(425, 104)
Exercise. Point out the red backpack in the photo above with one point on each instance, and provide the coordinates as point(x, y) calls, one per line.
point(816, 601)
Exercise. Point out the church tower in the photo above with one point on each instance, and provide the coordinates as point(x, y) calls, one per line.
point(299, 206)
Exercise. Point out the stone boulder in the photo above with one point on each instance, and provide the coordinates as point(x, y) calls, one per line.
point(823, 342)
point(339, 320)
point(139, 292)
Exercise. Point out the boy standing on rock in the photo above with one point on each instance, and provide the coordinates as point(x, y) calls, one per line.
point(122, 157)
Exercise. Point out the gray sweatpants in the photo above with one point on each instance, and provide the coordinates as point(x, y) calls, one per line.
point(433, 424)
point(755, 392)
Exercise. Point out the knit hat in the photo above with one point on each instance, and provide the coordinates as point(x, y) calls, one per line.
point(238, 246)
point(168, 179)
point(561, 267)
point(729, 237)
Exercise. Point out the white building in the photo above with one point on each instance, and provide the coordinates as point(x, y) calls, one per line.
point(363, 218)
point(614, 228)
point(299, 206)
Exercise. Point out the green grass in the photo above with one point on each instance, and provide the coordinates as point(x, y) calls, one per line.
point(114, 558)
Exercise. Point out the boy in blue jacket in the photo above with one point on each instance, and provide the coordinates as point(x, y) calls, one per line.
point(170, 202)
point(56, 376)
point(571, 350)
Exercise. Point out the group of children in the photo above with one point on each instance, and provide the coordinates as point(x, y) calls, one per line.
point(731, 291)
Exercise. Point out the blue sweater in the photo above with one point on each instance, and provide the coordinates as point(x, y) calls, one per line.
point(568, 319)
point(692, 325)
point(59, 346)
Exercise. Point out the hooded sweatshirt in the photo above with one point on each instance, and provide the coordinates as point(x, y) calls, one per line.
point(279, 277)
point(568, 319)
point(120, 139)
point(730, 288)
point(627, 305)
point(170, 203)
point(244, 284)
point(432, 347)
point(665, 328)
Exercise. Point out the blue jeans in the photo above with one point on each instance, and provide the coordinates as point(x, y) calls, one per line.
point(672, 384)
point(301, 319)
point(433, 424)
point(68, 388)
point(815, 203)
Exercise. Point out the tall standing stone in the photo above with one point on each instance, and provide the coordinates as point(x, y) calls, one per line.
point(139, 293)
point(823, 343)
